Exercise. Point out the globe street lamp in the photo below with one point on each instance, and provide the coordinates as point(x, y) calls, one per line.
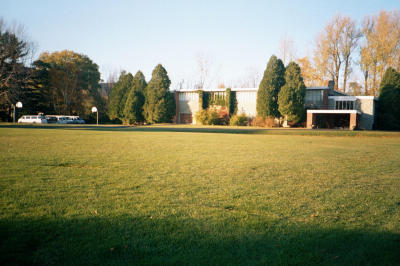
point(18, 105)
point(94, 110)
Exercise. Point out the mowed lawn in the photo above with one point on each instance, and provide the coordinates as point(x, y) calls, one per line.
point(172, 195)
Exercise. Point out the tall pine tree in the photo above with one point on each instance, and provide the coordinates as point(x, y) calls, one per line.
point(291, 96)
point(133, 111)
point(118, 96)
point(389, 101)
point(159, 104)
point(267, 95)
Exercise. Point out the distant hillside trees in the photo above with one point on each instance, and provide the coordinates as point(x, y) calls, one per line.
point(291, 95)
point(159, 104)
point(267, 95)
point(389, 101)
point(133, 110)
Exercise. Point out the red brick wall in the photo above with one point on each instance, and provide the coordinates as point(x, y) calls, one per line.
point(310, 120)
point(325, 99)
point(176, 117)
point(353, 121)
point(185, 118)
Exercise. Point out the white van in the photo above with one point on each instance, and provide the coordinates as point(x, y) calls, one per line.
point(33, 119)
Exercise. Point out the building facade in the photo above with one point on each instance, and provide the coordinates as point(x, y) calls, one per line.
point(326, 108)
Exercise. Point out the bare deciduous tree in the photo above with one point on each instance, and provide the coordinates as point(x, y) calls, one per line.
point(348, 44)
point(207, 72)
point(286, 50)
point(16, 53)
point(334, 48)
point(203, 68)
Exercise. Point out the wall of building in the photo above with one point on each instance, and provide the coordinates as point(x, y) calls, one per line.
point(366, 105)
point(189, 103)
point(331, 104)
point(246, 102)
point(314, 98)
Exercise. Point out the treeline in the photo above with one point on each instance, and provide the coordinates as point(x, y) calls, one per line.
point(67, 83)
point(55, 83)
point(133, 101)
point(281, 92)
point(344, 45)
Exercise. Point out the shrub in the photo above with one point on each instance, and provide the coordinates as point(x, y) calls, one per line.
point(261, 122)
point(270, 122)
point(239, 120)
point(215, 115)
point(258, 121)
point(223, 115)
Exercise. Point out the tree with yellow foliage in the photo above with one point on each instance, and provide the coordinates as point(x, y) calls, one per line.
point(74, 82)
point(334, 49)
point(380, 48)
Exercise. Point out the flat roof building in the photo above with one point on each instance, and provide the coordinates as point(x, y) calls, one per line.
point(325, 107)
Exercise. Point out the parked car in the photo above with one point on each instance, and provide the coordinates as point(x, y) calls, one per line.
point(40, 119)
point(77, 120)
point(62, 120)
point(69, 119)
point(51, 119)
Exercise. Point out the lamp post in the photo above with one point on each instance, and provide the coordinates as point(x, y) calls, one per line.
point(94, 110)
point(18, 105)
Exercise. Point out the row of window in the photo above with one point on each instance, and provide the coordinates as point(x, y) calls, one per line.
point(188, 96)
point(33, 117)
point(344, 105)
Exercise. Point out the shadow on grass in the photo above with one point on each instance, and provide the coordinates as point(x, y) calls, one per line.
point(147, 240)
point(213, 129)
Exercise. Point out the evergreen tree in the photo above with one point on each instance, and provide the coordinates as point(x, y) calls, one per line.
point(133, 111)
point(118, 96)
point(389, 101)
point(159, 104)
point(231, 101)
point(291, 96)
point(267, 95)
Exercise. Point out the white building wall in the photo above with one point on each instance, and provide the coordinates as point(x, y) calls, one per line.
point(189, 103)
point(246, 102)
point(366, 105)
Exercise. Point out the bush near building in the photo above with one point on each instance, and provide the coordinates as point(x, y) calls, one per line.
point(259, 121)
point(214, 115)
point(239, 120)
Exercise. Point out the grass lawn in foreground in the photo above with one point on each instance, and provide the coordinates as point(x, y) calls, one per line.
point(195, 195)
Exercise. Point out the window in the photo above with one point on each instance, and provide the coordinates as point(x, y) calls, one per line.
point(314, 98)
point(344, 105)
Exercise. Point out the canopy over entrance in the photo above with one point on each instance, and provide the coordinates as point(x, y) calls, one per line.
point(339, 119)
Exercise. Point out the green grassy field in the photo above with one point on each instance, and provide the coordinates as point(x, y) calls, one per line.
point(197, 195)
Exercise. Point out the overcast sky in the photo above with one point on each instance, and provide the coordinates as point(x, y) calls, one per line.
point(237, 37)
